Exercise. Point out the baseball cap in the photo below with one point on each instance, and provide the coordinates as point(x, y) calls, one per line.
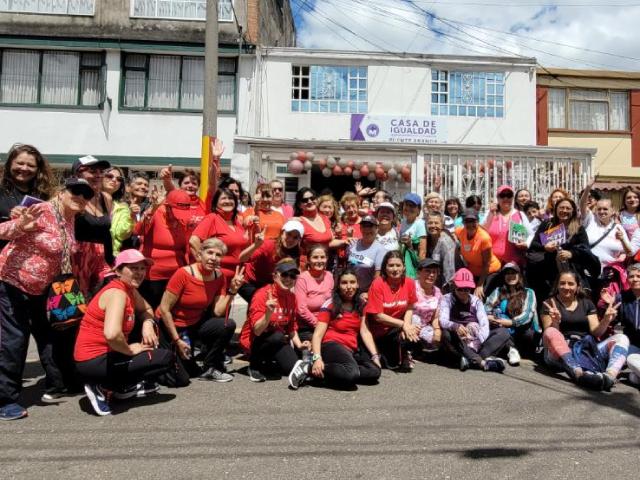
point(386, 205)
point(427, 263)
point(413, 198)
point(79, 186)
point(470, 213)
point(89, 161)
point(504, 188)
point(464, 279)
point(369, 219)
point(293, 226)
point(511, 266)
point(180, 203)
point(286, 267)
point(130, 256)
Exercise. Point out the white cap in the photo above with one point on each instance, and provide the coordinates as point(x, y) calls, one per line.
point(293, 226)
point(386, 205)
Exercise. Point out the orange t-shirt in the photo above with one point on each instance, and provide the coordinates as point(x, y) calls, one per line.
point(271, 219)
point(471, 250)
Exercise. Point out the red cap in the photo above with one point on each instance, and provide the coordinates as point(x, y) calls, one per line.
point(180, 203)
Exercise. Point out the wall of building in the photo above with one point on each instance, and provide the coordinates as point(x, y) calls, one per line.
point(395, 88)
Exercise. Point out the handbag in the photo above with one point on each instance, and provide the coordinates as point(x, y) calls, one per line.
point(65, 301)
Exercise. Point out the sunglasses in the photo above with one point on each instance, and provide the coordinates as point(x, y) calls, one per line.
point(470, 220)
point(291, 275)
point(277, 189)
point(78, 191)
point(111, 176)
point(463, 290)
point(505, 195)
point(308, 199)
point(181, 206)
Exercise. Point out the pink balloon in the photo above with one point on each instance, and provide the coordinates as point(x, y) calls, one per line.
point(348, 170)
point(296, 167)
point(337, 170)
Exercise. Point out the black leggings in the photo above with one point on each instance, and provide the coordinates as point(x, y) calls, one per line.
point(392, 347)
point(115, 370)
point(498, 340)
point(273, 346)
point(344, 368)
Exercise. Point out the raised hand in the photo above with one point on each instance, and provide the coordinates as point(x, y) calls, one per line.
point(612, 312)
point(166, 172)
point(554, 313)
point(238, 279)
point(258, 240)
point(217, 148)
point(271, 304)
point(27, 221)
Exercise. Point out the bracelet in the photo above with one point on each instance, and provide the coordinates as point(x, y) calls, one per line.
point(375, 356)
point(149, 320)
point(175, 340)
point(230, 292)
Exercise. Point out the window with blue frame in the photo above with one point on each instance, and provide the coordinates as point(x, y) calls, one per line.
point(332, 89)
point(467, 94)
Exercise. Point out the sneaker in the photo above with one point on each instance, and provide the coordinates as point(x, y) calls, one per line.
point(464, 364)
point(228, 360)
point(592, 381)
point(216, 375)
point(139, 390)
point(53, 395)
point(256, 375)
point(298, 374)
point(513, 357)
point(607, 382)
point(99, 398)
point(12, 411)
point(494, 365)
point(408, 362)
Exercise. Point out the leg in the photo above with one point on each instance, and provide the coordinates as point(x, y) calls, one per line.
point(340, 368)
point(215, 335)
point(246, 292)
point(305, 332)
point(460, 349)
point(265, 348)
point(389, 346)
point(557, 353)
point(498, 340)
point(14, 341)
point(615, 348)
point(633, 361)
point(369, 371)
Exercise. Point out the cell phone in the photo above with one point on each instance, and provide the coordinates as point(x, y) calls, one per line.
point(28, 200)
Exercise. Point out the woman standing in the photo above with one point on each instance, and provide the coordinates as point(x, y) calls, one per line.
point(557, 195)
point(193, 310)
point(317, 227)
point(522, 197)
point(389, 311)
point(313, 288)
point(278, 203)
point(387, 235)
point(351, 217)
point(453, 214)
point(413, 234)
point(571, 329)
point(365, 255)
point(38, 239)
point(441, 247)
point(26, 172)
point(499, 224)
point(121, 218)
point(630, 211)
point(338, 358)
point(105, 359)
point(264, 217)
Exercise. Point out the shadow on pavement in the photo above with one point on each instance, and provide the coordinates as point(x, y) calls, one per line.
point(118, 407)
point(482, 453)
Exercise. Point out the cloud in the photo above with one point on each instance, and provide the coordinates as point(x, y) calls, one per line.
point(468, 27)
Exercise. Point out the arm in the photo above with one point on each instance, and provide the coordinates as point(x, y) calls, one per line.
point(584, 198)
point(258, 240)
point(194, 243)
point(121, 223)
point(437, 330)
point(598, 327)
point(166, 174)
point(115, 302)
point(316, 348)
point(222, 301)
point(422, 248)
point(302, 308)
point(483, 321)
point(486, 261)
point(144, 310)
point(444, 317)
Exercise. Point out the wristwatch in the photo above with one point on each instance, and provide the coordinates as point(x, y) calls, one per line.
point(316, 356)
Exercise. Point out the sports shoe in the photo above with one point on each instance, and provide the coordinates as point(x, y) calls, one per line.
point(494, 365)
point(216, 375)
point(592, 381)
point(53, 395)
point(513, 357)
point(256, 375)
point(634, 379)
point(99, 398)
point(298, 374)
point(464, 364)
point(408, 362)
point(140, 390)
point(607, 382)
point(227, 359)
point(12, 411)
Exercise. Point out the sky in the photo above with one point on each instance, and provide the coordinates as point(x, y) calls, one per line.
point(587, 34)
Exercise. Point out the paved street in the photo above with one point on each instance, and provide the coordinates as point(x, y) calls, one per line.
point(433, 423)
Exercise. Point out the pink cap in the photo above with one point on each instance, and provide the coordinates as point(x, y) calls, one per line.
point(130, 256)
point(464, 279)
point(504, 188)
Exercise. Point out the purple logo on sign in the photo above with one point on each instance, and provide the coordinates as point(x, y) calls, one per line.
point(373, 130)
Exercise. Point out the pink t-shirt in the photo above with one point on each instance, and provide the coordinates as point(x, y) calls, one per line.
point(311, 294)
point(427, 305)
point(499, 231)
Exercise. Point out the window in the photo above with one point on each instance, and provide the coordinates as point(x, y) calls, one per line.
point(467, 94)
point(52, 78)
point(320, 88)
point(180, 9)
point(59, 7)
point(172, 82)
point(591, 110)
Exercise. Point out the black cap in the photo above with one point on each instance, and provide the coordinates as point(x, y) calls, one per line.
point(89, 161)
point(369, 219)
point(470, 214)
point(286, 267)
point(79, 186)
point(427, 263)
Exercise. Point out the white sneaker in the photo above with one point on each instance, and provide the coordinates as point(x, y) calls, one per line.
point(298, 374)
point(513, 357)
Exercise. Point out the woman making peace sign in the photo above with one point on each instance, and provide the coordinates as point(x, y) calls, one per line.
point(193, 309)
point(571, 329)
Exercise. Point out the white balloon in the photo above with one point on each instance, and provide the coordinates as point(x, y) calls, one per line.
point(308, 165)
point(293, 156)
point(331, 162)
point(343, 162)
point(356, 174)
point(371, 177)
point(387, 165)
point(326, 172)
point(399, 178)
point(310, 156)
point(392, 172)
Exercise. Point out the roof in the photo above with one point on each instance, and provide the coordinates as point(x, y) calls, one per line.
point(563, 77)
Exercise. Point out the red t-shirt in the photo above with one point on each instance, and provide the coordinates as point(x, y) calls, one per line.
point(357, 233)
point(343, 329)
point(382, 299)
point(283, 318)
point(260, 267)
point(312, 236)
point(166, 242)
point(198, 211)
point(235, 239)
point(91, 342)
point(194, 296)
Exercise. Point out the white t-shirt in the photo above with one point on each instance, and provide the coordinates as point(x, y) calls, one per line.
point(609, 248)
point(389, 240)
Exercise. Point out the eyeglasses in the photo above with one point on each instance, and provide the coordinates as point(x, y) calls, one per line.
point(79, 191)
point(111, 176)
point(308, 199)
point(463, 290)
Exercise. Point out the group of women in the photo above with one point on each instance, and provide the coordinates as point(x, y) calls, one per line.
point(336, 290)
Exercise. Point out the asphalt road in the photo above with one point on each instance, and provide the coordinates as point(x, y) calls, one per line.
point(435, 422)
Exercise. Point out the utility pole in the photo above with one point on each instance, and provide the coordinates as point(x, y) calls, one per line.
point(210, 107)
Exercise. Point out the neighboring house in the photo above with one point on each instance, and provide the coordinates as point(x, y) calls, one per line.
point(124, 79)
point(593, 109)
point(459, 125)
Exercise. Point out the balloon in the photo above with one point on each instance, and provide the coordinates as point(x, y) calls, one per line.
point(337, 170)
point(322, 163)
point(392, 172)
point(356, 175)
point(385, 177)
point(343, 162)
point(399, 178)
point(302, 156)
point(371, 177)
point(348, 170)
point(405, 171)
point(364, 170)
point(468, 164)
point(379, 172)
point(508, 164)
point(296, 167)
point(308, 165)
point(482, 168)
point(310, 156)
point(293, 156)
point(351, 164)
point(326, 172)
point(491, 162)
point(387, 165)
point(331, 162)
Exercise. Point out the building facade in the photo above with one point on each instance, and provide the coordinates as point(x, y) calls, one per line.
point(124, 79)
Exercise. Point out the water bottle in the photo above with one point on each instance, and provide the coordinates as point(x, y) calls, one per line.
point(184, 336)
